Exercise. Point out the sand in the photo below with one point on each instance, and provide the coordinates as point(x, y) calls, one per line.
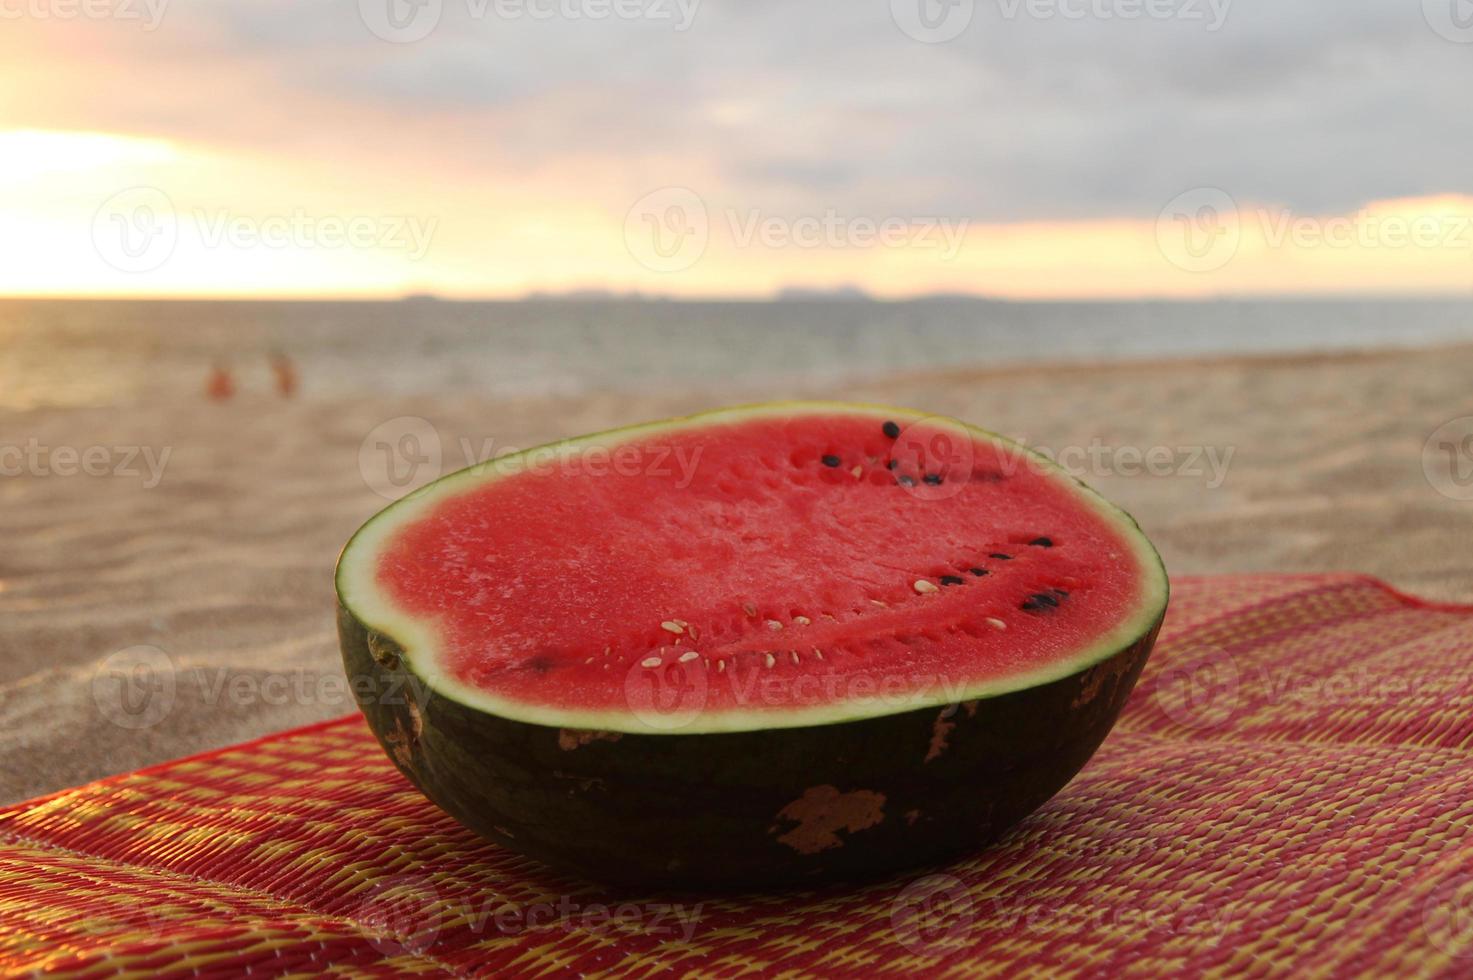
point(1285, 464)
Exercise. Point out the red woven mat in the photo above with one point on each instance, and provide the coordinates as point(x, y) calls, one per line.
point(1289, 791)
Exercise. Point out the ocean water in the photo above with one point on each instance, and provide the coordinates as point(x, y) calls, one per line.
point(74, 353)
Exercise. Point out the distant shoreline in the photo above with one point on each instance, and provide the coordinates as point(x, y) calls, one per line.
point(593, 298)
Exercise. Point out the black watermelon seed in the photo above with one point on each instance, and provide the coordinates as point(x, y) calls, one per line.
point(891, 429)
point(979, 572)
point(952, 580)
point(934, 479)
point(831, 461)
point(1040, 600)
point(1000, 556)
point(1042, 542)
point(905, 481)
point(892, 464)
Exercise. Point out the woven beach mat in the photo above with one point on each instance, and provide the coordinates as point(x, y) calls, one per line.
point(1289, 791)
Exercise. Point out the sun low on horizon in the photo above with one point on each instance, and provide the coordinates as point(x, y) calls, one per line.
point(287, 152)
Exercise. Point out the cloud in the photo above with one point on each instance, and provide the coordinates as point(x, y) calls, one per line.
point(1029, 114)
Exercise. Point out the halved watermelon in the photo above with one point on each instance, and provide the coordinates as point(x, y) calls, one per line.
point(767, 644)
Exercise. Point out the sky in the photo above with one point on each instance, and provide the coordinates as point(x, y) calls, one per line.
point(1011, 148)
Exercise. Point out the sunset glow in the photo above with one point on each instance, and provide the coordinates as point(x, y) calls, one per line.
point(276, 149)
point(253, 225)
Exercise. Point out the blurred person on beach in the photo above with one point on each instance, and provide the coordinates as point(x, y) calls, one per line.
point(221, 386)
point(285, 372)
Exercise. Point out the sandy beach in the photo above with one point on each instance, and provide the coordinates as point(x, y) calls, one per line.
point(209, 530)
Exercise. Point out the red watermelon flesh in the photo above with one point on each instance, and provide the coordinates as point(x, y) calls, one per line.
point(798, 564)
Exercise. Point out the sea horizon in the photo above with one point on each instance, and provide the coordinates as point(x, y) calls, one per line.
point(130, 350)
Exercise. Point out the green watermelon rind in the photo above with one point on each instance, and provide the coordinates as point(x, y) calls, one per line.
point(413, 640)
